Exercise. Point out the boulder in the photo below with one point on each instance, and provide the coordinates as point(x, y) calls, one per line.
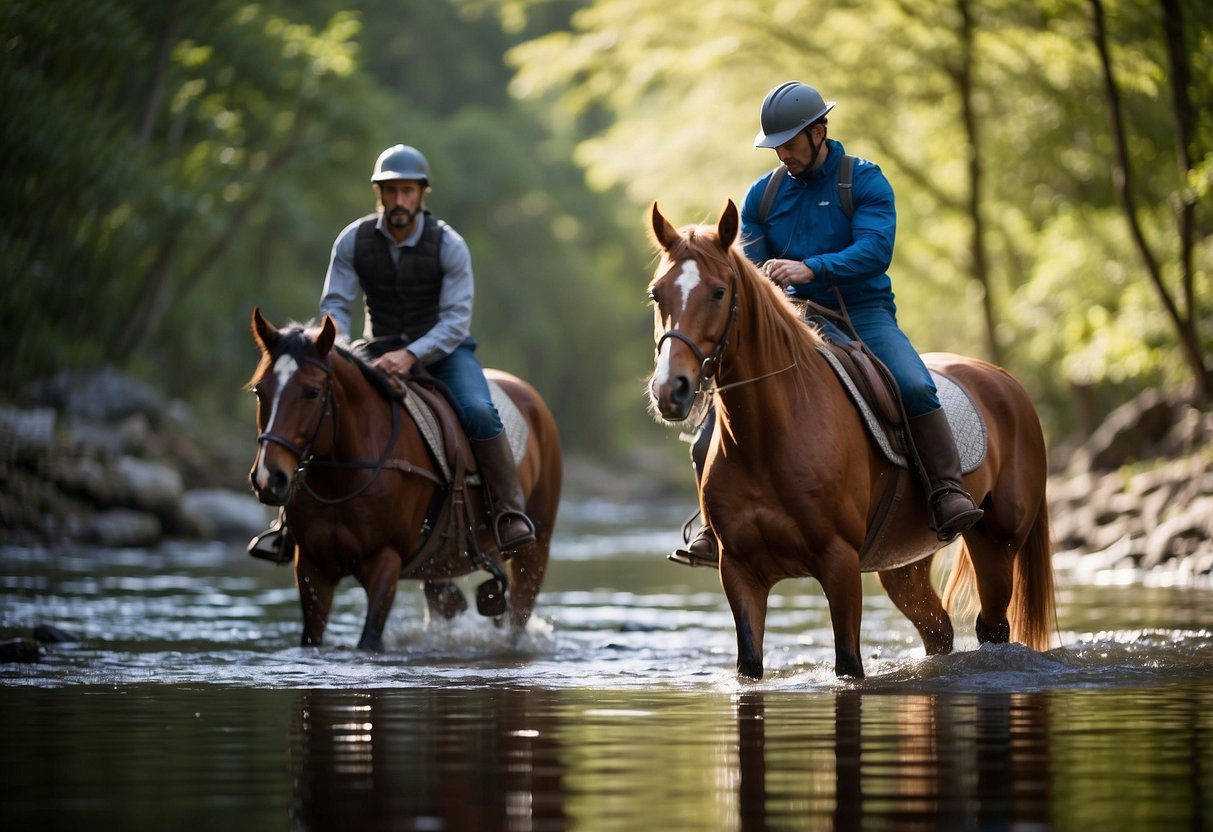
point(121, 528)
point(223, 514)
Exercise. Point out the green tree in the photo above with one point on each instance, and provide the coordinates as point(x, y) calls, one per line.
point(988, 117)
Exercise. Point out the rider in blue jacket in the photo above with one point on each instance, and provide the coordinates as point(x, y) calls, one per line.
point(806, 243)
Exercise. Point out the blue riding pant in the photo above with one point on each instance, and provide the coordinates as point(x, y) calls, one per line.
point(877, 327)
point(464, 377)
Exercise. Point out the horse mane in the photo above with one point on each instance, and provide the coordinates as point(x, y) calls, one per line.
point(777, 328)
point(297, 340)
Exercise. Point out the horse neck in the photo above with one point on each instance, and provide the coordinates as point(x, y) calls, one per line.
point(362, 416)
point(772, 379)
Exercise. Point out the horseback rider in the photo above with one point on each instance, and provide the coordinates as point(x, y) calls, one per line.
point(807, 244)
point(414, 273)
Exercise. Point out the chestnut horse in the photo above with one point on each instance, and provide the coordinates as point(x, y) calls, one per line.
point(793, 479)
point(364, 494)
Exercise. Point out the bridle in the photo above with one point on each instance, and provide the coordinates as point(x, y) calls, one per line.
point(708, 364)
point(306, 455)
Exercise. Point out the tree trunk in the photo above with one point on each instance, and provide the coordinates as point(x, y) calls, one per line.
point(977, 239)
point(1185, 325)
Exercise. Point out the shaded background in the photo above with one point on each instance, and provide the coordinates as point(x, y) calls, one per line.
point(167, 165)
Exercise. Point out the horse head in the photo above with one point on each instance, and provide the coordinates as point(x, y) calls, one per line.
point(694, 300)
point(293, 384)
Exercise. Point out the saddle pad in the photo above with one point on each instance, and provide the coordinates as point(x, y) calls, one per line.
point(966, 422)
point(516, 428)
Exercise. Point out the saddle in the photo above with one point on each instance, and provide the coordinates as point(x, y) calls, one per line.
point(877, 397)
point(457, 519)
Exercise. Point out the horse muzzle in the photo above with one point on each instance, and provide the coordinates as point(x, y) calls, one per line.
point(272, 484)
point(673, 398)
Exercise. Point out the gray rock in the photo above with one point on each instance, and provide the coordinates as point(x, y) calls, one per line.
point(26, 434)
point(223, 514)
point(122, 528)
point(149, 486)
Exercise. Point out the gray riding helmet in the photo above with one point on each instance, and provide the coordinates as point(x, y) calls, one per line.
point(788, 109)
point(401, 162)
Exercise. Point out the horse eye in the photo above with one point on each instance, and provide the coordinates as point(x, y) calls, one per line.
point(311, 392)
point(653, 295)
point(718, 293)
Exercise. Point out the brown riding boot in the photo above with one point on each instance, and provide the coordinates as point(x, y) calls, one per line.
point(950, 505)
point(701, 551)
point(510, 523)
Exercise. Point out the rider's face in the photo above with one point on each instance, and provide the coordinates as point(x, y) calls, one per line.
point(401, 201)
point(797, 152)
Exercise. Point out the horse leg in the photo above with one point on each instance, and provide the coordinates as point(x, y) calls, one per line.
point(444, 599)
point(315, 599)
point(993, 562)
point(911, 591)
point(843, 587)
point(527, 567)
point(379, 578)
point(748, 601)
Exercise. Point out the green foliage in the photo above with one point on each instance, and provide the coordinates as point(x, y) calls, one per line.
point(168, 164)
point(670, 117)
point(210, 164)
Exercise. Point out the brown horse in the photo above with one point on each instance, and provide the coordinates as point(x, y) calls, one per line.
point(793, 480)
point(364, 493)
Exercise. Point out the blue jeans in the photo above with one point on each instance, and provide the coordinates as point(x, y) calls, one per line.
point(464, 377)
point(877, 327)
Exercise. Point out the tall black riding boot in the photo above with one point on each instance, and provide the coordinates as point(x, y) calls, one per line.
point(702, 549)
point(949, 503)
point(510, 522)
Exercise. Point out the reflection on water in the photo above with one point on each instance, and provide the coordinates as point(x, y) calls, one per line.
point(538, 759)
point(187, 702)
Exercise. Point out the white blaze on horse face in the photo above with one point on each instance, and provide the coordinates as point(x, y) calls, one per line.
point(687, 280)
point(284, 368)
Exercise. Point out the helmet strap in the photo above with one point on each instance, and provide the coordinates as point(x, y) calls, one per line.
point(816, 148)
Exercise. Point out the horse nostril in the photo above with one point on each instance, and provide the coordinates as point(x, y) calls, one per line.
point(682, 389)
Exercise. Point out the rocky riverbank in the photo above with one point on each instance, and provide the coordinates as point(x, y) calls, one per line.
point(101, 459)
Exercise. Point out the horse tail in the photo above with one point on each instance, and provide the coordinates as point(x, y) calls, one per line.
point(959, 595)
point(1033, 613)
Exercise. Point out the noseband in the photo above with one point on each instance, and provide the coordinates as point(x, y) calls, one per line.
point(708, 364)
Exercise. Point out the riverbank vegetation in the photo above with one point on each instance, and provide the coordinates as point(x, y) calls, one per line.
point(167, 165)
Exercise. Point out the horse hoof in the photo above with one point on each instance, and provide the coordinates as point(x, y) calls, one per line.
point(23, 650)
point(490, 598)
point(445, 599)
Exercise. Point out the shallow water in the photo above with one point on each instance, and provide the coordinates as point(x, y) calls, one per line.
point(187, 702)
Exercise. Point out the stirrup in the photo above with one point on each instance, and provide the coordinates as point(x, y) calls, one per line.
point(688, 556)
point(271, 545)
point(525, 539)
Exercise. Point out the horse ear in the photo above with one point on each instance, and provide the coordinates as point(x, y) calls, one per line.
point(326, 337)
point(264, 332)
point(664, 234)
point(726, 228)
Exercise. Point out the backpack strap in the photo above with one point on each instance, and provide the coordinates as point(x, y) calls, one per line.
point(768, 195)
point(846, 175)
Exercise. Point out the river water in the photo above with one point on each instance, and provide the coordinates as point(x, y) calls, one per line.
point(187, 703)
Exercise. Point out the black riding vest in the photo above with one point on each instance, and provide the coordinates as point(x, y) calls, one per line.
point(401, 299)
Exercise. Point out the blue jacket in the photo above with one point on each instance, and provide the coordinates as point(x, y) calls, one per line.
point(807, 223)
